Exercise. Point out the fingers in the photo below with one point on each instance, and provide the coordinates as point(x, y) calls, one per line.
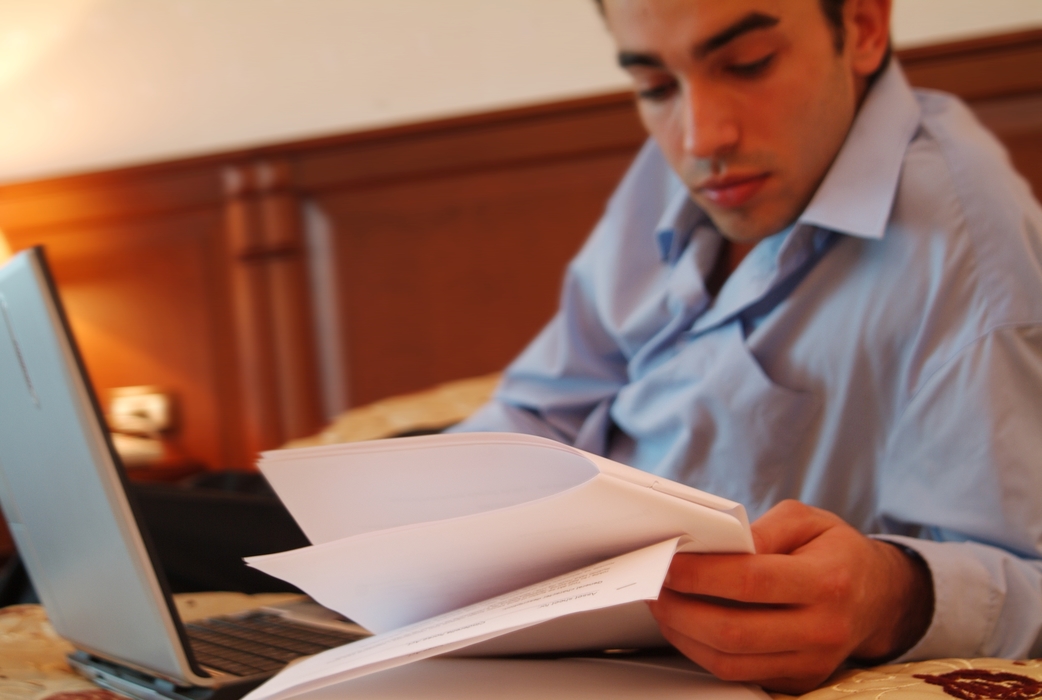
point(791, 672)
point(812, 550)
point(773, 579)
point(789, 615)
point(749, 630)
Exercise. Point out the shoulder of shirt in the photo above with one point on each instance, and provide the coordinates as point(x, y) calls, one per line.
point(632, 215)
point(648, 186)
point(978, 162)
point(978, 199)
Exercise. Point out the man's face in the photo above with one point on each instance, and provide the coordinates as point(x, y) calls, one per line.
point(749, 100)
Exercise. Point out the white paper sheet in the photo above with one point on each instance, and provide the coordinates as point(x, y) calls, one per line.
point(631, 577)
point(338, 491)
point(626, 626)
point(529, 679)
point(384, 580)
point(343, 490)
point(390, 578)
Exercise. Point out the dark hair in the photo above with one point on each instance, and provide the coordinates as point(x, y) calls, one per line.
point(833, 11)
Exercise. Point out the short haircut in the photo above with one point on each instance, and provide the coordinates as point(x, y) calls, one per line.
point(833, 11)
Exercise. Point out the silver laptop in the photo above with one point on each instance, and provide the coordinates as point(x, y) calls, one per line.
point(76, 526)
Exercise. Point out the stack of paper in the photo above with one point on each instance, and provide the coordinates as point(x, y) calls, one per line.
point(515, 542)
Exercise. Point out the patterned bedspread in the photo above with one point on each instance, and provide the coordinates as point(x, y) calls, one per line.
point(32, 664)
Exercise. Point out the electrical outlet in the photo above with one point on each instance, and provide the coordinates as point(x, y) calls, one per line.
point(140, 409)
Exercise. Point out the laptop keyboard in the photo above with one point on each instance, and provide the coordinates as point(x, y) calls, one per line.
point(258, 642)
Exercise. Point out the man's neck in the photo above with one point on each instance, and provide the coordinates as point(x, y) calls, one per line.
point(728, 259)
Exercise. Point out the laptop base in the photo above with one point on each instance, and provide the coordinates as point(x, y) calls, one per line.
point(140, 686)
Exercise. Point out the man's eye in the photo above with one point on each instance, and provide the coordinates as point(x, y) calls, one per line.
point(752, 69)
point(657, 93)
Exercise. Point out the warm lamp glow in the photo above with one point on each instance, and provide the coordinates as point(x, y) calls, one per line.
point(5, 249)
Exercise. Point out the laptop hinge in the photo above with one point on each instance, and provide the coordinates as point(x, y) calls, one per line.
point(141, 686)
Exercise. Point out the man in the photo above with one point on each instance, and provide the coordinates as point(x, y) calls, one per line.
point(813, 284)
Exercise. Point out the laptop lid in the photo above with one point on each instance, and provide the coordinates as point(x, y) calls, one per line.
point(65, 495)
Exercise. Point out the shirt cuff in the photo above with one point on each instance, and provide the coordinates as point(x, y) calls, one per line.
point(964, 602)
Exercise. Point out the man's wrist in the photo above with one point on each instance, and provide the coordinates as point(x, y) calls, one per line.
point(911, 609)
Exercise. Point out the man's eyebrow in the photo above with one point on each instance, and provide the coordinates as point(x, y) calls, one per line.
point(751, 22)
point(631, 58)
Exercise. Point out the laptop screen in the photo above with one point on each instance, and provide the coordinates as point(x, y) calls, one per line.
point(64, 493)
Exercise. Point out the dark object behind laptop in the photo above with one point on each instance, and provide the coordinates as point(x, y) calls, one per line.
point(201, 529)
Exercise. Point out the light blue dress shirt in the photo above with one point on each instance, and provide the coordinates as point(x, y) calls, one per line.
point(881, 358)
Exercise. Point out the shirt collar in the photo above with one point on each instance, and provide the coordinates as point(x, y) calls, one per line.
point(679, 219)
point(858, 191)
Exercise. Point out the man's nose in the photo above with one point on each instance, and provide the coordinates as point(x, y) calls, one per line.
point(710, 127)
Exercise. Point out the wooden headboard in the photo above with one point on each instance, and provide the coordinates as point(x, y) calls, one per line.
point(445, 244)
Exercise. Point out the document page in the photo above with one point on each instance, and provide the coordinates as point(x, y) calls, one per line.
point(391, 578)
point(574, 678)
point(624, 579)
point(348, 489)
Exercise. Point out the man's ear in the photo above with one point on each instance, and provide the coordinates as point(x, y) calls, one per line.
point(868, 34)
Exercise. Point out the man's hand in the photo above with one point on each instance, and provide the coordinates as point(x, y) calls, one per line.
point(816, 593)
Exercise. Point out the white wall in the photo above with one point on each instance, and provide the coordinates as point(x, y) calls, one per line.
point(90, 84)
point(917, 22)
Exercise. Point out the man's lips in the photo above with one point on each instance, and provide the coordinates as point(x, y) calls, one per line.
point(732, 191)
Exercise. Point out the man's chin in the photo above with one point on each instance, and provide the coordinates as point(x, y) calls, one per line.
point(747, 224)
point(739, 228)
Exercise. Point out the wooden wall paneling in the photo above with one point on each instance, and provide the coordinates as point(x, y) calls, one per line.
point(451, 277)
point(176, 277)
point(979, 69)
point(251, 330)
point(143, 296)
point(1017, 121)
point(278, 381)
point(294, 337)
point(125, 194)
point(452, 243)
point(560, 130)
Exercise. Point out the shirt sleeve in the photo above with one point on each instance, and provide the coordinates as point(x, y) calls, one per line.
point(964, 474)
point(570, 369)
